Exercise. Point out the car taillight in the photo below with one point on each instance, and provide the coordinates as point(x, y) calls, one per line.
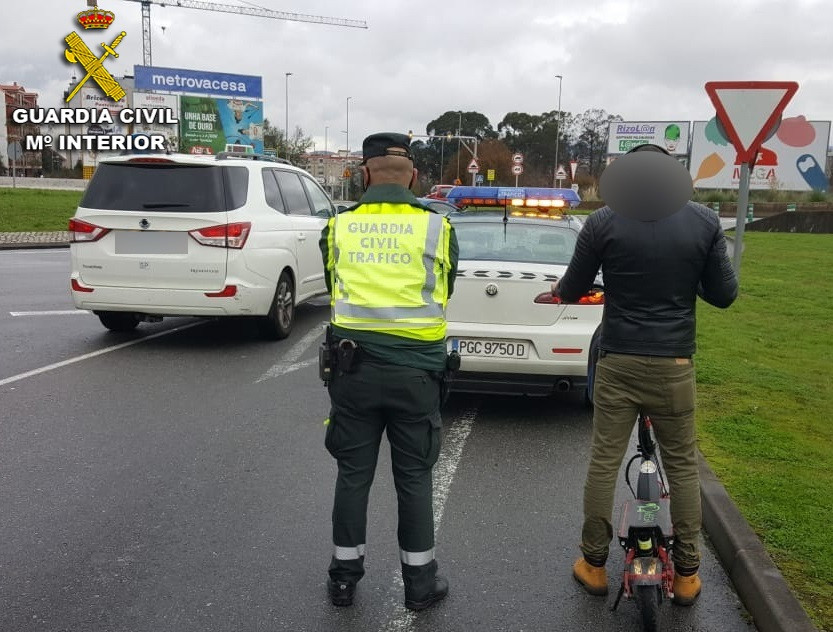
point(78, 287)
point(226, 292)
point(593, 297)
point(84, 231)
point(223, 235)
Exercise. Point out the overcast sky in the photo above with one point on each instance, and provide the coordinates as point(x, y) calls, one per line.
point(641, 59)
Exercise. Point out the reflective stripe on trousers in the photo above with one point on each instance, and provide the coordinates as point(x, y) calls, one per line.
point(348, 552)
point(416, 559)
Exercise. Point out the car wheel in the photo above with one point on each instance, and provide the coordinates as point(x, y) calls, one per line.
point(119, 321)
point(277, 324)
point(592, 359)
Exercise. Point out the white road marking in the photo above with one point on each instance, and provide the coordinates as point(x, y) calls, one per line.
point(444, 470)
point(289, 362)
point(54, 312)
point(93, 354)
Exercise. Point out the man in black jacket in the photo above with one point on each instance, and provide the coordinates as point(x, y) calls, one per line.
point(653, 272)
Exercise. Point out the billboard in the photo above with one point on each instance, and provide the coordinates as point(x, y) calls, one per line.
point(624, 136)
point(184, 81)
point(208, 124)
point(91, 98)
point(150, 101)
point(792, 160)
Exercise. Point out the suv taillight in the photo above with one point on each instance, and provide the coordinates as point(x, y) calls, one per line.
point(224, 235)
point(593, 297)
point(84, 231)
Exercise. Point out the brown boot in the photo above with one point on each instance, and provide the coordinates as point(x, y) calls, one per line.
point(686, 589)
point(593, 578)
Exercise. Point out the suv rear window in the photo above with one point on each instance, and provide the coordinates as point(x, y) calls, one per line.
point(166, 187)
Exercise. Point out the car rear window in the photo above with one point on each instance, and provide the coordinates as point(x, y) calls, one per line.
point(516, 241)
point(166, 187)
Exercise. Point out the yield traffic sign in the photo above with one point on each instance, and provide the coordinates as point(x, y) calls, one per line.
point(473, 166)
point(749, 110)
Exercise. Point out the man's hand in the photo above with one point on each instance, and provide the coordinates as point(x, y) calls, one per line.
point(556, 289)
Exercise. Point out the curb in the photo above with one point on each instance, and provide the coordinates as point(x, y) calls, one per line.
point(758, 582)
point(33, 245)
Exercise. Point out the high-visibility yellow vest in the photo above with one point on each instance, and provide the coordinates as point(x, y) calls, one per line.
point(390, 267)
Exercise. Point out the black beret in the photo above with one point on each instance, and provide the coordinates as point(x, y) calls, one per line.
point(386, 144)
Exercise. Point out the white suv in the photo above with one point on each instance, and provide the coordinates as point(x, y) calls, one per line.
point(181, 235)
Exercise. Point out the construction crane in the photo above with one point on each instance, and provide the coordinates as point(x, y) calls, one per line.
point(227, 8)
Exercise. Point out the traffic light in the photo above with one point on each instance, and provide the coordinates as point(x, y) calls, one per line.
point(411, 134)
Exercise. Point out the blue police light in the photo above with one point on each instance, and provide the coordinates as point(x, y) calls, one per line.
point(541, 198)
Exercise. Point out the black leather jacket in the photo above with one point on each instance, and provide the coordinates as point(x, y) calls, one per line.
point(653, 273)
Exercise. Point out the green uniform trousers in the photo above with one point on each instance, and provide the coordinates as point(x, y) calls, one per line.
point(405, 402)
point(664, 389)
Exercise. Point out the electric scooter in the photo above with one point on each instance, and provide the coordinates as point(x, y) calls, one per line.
point(646, 534)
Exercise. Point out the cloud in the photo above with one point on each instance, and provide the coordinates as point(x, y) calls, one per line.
point(643, 60)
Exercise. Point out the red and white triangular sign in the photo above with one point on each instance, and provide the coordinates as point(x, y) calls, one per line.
point(473, 166)
point(748, 110)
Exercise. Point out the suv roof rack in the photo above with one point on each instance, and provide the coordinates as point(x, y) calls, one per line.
point(235, 154)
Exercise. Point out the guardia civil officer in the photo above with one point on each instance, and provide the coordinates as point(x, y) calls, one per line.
point(390, 266)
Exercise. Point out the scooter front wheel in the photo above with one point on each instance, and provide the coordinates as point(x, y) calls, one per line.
point(647, 600)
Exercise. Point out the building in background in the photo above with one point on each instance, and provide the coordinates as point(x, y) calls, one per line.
point(333, 170)
point(31, 163)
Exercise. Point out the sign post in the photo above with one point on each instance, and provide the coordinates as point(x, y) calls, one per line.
point(750, 113)
point(560, 174)
point(517, 166)
point(473, 168)
point(15, 153)
point(517, 170)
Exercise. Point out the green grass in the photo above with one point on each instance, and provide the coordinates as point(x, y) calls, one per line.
point(765, 405)
point(23, 210)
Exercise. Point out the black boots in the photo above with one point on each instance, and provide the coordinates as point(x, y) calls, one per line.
point(423, 587)
point(341, 592)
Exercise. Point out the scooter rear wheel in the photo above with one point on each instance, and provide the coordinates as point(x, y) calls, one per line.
point(647, 600)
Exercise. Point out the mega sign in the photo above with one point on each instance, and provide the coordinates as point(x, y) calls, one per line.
point(792, 160)
point(197, 82)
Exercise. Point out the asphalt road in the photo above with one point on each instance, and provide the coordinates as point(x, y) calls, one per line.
point(179, 482)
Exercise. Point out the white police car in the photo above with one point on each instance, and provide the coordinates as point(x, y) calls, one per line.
point(512, 334)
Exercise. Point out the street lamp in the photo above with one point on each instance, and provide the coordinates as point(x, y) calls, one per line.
point(442, 154)
point(347, 132)
point(286, 122)
point(557, 132)
point(459, 126)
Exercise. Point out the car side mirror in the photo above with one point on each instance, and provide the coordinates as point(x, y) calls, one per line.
point(340, 208)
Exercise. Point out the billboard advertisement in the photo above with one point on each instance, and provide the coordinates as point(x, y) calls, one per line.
point(624, 136)
point(91, 98)
point(151, 101)
point(208, 124)
point(184, 81)
point(792, 160)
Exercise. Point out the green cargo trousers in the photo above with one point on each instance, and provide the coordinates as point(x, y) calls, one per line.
point(664, 389)
point(405, 402)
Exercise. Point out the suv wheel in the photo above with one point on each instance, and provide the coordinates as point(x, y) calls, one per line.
point(119, 321)
point(277, 324)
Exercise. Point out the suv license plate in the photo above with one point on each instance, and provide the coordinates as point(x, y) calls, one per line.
point(486, 348)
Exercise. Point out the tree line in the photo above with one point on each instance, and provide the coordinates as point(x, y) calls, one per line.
point(581, 137)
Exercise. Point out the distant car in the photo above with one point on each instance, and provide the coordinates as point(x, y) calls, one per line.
point(513, 336)
point(439, 191)
point(181, 235)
